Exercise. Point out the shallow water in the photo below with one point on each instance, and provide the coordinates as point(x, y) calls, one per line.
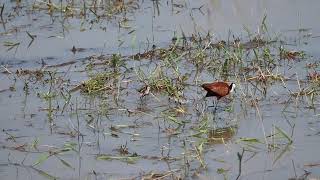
point(47, 135)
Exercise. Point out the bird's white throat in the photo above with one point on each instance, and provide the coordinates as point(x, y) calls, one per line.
point(233, 86)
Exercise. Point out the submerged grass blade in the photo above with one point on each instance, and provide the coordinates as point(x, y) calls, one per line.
point(284, 134)
point(65, 163)
point(127, 159)
point(250, 140)
point(175, 120)
point(43, 157)
point(45, 174)
point(286, 149)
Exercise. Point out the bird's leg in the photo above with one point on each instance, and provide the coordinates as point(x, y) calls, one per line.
point(213, 104)
point(216, 106)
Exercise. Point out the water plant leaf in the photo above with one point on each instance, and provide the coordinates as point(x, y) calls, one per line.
point(127, 159)
point(43, 157)
point(65, 163)
point(10, 45)
point(69, 147)
point(250, 140)
point(175, 120)
point(35, 143)
point(221, 171)
point(45, 174)
point(284, 134)
point(286, 149)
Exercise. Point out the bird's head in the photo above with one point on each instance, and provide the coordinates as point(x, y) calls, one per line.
point(232, 87)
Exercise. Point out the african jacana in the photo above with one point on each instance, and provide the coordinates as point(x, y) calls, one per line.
point(218, 89)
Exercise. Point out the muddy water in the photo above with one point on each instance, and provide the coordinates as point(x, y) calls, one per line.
point(47, 135)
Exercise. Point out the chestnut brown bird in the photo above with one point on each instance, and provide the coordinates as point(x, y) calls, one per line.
point(218, 89)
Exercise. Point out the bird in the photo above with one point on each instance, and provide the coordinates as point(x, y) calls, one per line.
point(218, 89)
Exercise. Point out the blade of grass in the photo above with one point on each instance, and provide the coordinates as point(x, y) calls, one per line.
point(284, 134)
point(43, 157)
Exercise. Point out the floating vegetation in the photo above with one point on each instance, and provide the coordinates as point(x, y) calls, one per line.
point(100, 82)
point(11, 45)
point(221, 135)
point(291, 55)
point(33, 75)
point(128, 159)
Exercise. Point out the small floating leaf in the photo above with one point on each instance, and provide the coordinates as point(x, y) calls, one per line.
point(69, 147)
point(221, 171)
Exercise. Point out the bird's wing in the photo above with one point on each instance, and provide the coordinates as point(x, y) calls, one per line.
point(219, 88)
